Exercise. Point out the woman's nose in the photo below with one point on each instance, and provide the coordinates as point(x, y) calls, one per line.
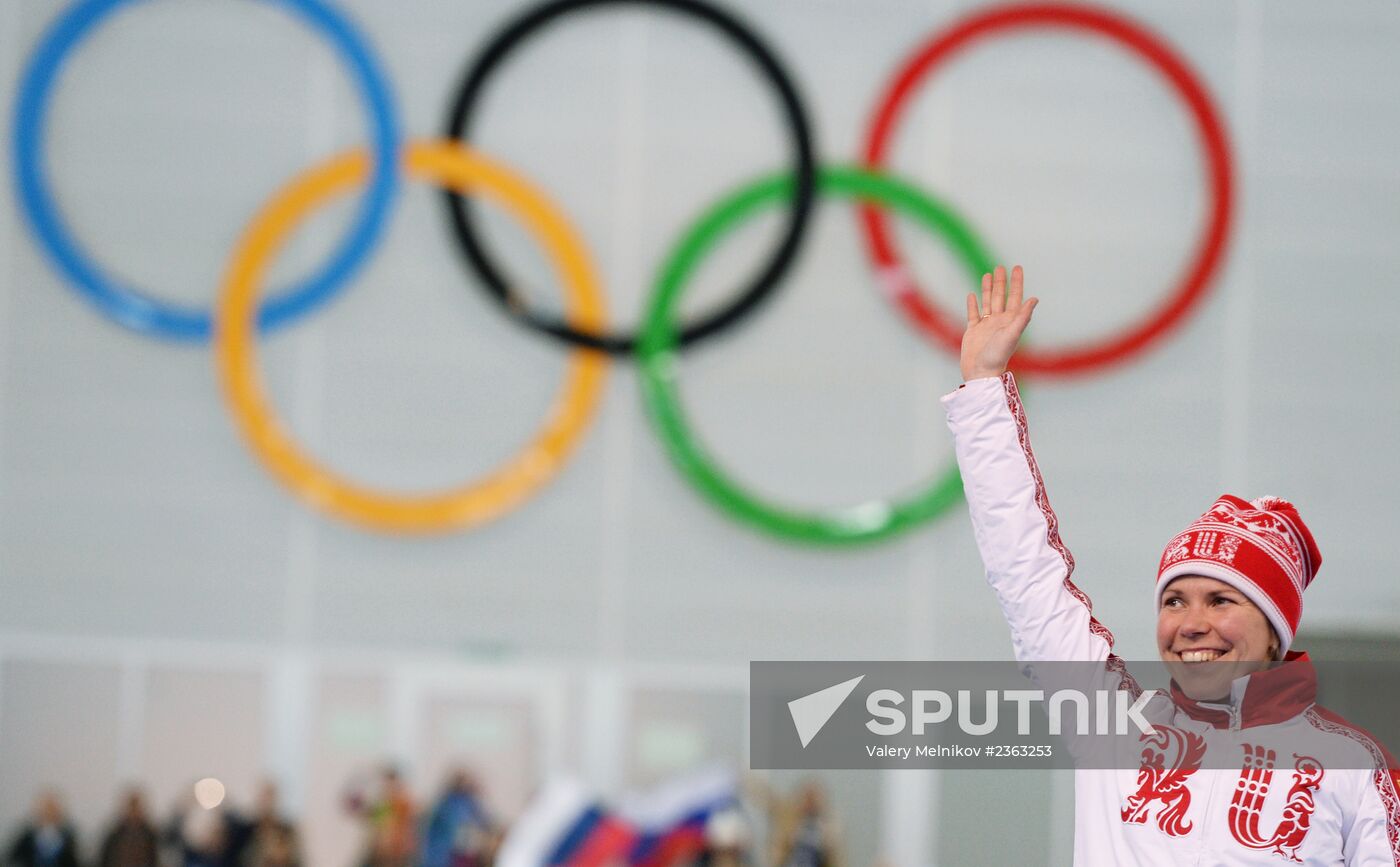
point(1194, 622)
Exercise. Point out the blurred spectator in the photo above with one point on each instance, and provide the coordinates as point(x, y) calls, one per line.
point(47, 839)
point(276, 847)
point(804, 832)
point(221, 837)
point(132, 840)
point(203, 836)
point(728, 840)
point(390, 818)
point(459, 833)
point(200, 836)
point(266, 838)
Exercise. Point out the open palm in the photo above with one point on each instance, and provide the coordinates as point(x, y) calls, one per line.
point(992, 333)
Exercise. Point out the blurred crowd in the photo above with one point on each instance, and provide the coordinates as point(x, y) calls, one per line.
point(456, 830)
point(191, 836)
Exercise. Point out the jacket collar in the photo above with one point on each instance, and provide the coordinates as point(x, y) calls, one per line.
point(1273, 695)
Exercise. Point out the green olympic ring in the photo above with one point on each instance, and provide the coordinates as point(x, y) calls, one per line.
point(866, 522)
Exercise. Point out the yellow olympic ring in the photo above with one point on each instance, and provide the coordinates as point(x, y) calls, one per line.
point(466, 172)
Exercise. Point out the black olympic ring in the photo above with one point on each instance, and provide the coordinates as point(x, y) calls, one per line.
point(804, 172)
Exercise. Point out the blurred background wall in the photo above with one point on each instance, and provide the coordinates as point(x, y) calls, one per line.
point(168, 611)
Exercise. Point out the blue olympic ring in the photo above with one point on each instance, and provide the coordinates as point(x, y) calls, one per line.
point(130, 306)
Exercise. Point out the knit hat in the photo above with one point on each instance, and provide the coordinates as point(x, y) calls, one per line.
point(1260, 547)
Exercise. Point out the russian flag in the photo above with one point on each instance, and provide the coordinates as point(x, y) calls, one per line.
point(670, 820)
point(564, 826)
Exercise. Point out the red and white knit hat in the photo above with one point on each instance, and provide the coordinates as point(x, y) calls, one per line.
point(1260, 547)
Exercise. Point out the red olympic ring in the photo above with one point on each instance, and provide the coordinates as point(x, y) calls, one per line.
point(948, 330)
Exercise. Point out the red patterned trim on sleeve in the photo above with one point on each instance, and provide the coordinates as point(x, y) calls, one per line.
point(1384, 776)
point(1052, 534)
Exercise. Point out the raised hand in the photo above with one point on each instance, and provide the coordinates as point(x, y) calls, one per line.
point(992, 334)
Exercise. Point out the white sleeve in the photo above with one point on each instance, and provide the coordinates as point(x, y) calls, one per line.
point(1374, 837)
point(1017, 533)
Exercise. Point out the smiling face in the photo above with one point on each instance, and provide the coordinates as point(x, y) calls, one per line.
point(1209, 633)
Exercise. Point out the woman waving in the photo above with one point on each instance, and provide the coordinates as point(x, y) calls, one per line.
point(1243, 766)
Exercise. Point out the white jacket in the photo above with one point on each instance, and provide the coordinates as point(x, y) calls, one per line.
point(1181, 806)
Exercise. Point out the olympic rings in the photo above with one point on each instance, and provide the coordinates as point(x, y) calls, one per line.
point(454, 166)
point(867, 522)
point(945, 328)
point(462, 171)
point(130, 306)
point(804, 168)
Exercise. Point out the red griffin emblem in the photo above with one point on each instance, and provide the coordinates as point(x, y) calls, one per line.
point(1157, 782)
point(1248, 802)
